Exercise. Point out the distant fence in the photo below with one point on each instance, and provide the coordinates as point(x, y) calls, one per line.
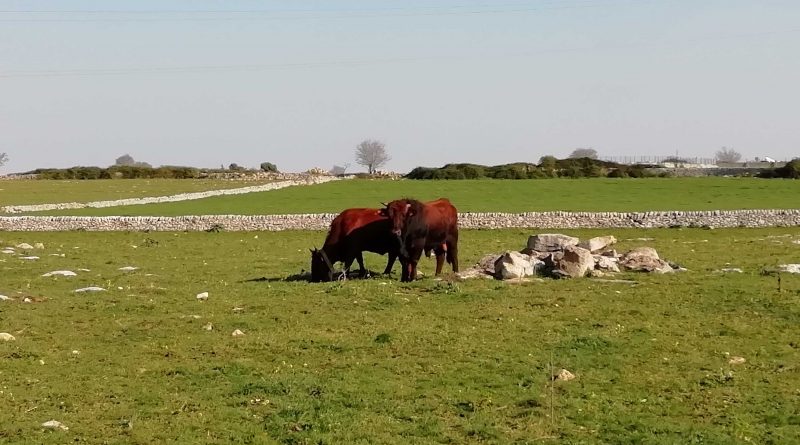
point(658, 159)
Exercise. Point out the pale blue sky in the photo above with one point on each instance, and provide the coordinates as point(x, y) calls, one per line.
point(301, 83)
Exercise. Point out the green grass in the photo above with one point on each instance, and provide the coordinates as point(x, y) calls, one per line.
point(494, 196)
point(22, 192)
point(377, 361)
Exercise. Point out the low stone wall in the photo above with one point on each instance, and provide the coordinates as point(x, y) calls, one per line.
point(321, 221)
point(305, 180)
point(701, 172)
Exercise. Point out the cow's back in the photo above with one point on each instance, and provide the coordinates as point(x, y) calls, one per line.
point(350, 220)
point(357, 230)
point(441, 218)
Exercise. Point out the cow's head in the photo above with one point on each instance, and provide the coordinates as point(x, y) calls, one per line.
point(321, 266)
point(397, 212)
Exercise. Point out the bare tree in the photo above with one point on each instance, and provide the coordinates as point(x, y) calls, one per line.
point(590, 153)
point(728, 155)
point(3, 159)
point(372, 154)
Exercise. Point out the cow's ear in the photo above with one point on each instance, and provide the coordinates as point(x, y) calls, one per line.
point(382, 212)
point(408, 208)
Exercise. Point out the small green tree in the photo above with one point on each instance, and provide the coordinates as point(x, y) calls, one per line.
point(269, 167)
point(790, 170)
point(548, 164)
point(590, 153)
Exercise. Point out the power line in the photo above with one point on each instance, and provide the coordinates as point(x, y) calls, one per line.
point(272, 11)
point(257, 15)
point(362, 62)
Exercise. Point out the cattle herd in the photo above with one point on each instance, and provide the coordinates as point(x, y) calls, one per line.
point(403, 229)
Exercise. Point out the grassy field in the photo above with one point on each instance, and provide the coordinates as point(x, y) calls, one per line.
point(21, 192)
point(376, 361)
point(494, 196)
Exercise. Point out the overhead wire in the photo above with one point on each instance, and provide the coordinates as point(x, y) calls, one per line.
point(304, 14)
point(366, 62)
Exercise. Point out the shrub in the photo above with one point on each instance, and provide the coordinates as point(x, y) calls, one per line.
point(789, 171)
point(269, 167)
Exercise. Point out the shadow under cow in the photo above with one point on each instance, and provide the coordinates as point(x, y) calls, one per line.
point(306, 276)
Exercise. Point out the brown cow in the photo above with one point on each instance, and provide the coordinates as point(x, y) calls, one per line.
point(352, 232)
point(423, 227)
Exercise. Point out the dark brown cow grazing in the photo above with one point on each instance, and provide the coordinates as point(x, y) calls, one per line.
point(423, 227)
point(351, 233)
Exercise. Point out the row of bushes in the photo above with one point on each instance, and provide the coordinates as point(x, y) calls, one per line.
point(548, 168)
point(118, 172)
point(790, 170)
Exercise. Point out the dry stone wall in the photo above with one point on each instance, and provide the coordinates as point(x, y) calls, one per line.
point(306, 180)
point(321, 221)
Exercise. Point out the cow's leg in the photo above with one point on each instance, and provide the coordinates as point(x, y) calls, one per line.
point(440, 254)
point(411, 271)
point(362, 270)
point(390, 264)
point(403, 269)
point(347, 263)
point(413, 260)
point(452, 254)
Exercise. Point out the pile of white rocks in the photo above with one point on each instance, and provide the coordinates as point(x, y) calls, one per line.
point(562, 256)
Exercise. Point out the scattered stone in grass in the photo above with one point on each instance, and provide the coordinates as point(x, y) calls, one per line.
point(731, 270)
point(737, 360)
point(551, 242)
point(5, 336)
point(63, 273)
point(39, 246)
point(75, 352)
point(58, 255)
point(128, 268)
point(598, 243)
point(607, 263)
point(208, 326)
point(4, 298)
point(645, 259)
point(575, 263)
point(237, 333)
point(54, 425)
point(515, 265)
point(84, 270)
point(564, 375)
point(470, 273)
point(9, 251)
point(24, 246)
point(90, 289)
point(789, 268)
point(30, 258)
point(238, 310)
point(202, 296)
point(27, 300)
